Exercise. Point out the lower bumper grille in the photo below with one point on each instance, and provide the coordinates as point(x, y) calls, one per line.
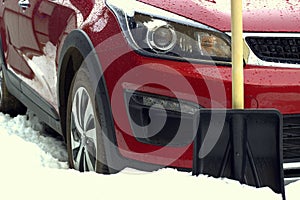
point(291, 138)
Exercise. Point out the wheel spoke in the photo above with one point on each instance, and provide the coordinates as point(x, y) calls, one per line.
point(89, 164)
point(75, 115)
point(88, 116)
point(78, 104)
point(84, 99)
point(79, 154)
point(75, 141)
point(84, 167)
point(92, 136)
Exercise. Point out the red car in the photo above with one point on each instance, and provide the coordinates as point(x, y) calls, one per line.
point(123, 81)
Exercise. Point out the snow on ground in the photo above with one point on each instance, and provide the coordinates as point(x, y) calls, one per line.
point(34, 166)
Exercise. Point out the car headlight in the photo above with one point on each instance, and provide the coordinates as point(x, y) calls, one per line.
point(155, 32)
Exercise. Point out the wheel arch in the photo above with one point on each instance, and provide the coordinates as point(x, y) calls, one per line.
point(76, 47)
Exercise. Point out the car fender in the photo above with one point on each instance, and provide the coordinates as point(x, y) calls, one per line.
point(78, 40)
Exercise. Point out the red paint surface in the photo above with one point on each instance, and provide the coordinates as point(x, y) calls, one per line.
point(207, 85)
point(258, 16)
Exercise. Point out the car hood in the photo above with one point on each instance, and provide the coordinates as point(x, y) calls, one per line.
point(258, 16)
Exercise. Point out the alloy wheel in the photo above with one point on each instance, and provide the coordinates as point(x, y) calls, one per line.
point(83, 132)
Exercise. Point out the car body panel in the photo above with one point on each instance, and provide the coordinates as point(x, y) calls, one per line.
point(43, 26)
point(259, 16)
point(10, 33)
point(33, 40)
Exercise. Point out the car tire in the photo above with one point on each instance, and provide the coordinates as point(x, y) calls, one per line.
point(84, 134)
point(8, 103)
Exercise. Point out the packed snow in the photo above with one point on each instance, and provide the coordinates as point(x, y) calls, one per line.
point(34, 166)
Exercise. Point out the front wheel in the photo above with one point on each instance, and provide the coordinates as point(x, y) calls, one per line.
point(84, 134)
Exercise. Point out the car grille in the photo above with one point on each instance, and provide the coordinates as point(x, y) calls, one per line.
point(276, 49)
point(291, 138)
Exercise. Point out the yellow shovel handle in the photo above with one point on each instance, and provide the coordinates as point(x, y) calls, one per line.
point(237, 54)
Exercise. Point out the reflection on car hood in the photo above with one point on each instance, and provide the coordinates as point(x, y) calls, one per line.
point(258, 16)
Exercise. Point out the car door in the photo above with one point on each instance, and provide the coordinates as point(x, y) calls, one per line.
point(9, 11)
point(42, 26)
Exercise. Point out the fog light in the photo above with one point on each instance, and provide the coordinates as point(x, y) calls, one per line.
point(162, 38)
point(160, 120)
point(169, 104)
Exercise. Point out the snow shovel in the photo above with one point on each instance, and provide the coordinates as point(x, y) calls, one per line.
point(241, 144)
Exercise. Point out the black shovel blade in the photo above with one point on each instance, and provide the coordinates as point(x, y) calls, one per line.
point(245, 145)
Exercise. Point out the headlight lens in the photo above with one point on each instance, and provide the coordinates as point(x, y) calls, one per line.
point(161, 38)
point(158, 35)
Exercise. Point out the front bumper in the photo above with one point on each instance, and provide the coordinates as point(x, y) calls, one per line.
point(200, 84)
